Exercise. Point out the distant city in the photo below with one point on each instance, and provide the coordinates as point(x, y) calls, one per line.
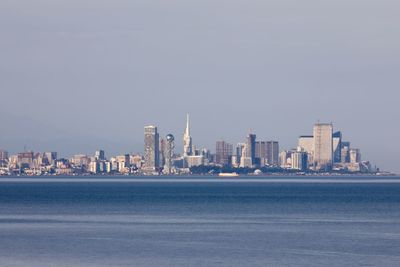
point(323, 151)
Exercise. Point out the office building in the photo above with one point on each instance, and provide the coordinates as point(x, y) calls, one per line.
point(306, 142)
point(272, 153)
point(323, 146)
point(345, 152)
point(124, 163)
point(94, 167)
point(3, 155)
point(337, 147)
point(299, 160)
point(355, 155)
point(285, 159)
point(224, 153)
point(267, 153)
point(151, 149)
point(251, 147)
point(108, 167)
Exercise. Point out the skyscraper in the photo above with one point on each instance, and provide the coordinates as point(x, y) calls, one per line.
point(272, 150)
point(267, 153)
point(151, 149)
point(307, 143)
point(323, 146)
point(251, 147)
point(299, 160)
point(223, 153)
point(168, 153)
point(187, 139)
point(261, 153)
point(337, 146)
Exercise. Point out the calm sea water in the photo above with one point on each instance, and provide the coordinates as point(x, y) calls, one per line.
point(199, 222)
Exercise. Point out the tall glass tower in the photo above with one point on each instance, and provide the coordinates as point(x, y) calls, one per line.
point(251, 147)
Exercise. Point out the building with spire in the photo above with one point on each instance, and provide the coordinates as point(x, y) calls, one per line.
point(187, 139)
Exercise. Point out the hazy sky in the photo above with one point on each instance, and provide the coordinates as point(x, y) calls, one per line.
point(80, 75)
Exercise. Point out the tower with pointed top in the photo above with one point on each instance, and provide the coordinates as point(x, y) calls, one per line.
point(187, 139)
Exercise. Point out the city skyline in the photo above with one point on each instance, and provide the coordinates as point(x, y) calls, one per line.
point(94, 81)
point(324, 151)
point(251, 145)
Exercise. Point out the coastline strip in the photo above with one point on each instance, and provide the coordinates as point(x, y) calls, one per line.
point(204, 180)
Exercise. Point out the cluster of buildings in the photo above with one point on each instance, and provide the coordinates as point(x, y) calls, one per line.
point(30, 163)
point(249, 154)
point(324, 151)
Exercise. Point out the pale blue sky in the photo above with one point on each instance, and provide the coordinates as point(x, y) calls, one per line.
point(78, 75)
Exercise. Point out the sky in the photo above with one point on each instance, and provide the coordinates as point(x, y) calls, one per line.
point(76, 76)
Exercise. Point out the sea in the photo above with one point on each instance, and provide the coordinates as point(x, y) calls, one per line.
point(200, 221)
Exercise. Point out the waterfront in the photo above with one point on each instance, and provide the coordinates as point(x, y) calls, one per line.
point(199, 221)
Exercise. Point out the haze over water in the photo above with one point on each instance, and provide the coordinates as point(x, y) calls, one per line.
point(318, 221)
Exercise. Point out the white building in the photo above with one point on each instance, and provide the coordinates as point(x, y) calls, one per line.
point(323, 146)
point(246, 160)
point(187, 140)
point(299, 160)
point(306, 143)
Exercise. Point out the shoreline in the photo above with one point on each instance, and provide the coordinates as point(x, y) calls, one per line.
point(263, 175)
point(354, 179)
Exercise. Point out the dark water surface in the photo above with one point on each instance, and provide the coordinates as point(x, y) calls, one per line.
point(199, 222)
